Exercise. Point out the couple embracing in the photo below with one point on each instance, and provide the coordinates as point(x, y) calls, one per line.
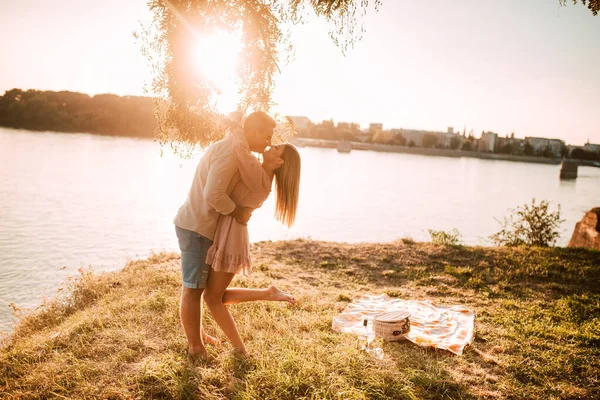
point(211, 226)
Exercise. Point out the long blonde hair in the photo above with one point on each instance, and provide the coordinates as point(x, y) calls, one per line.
point(287, 183)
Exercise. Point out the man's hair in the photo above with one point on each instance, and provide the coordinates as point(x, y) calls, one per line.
point(260, 122)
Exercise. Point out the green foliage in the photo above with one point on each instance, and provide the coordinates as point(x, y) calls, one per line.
point(430, 140)
point(399, 140)
point(548, 153)
point(104, 114)
point(581, 154)
point(383, 137)
point(530, 225)
point(454, 143)
point(509, 148)
point(408, 241)
point(578, 308)
point(446, 238)
point(186, 98)
point(592, 5)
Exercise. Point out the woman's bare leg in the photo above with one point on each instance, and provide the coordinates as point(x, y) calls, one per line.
point(213, 296)
point(241, 295)
point(208, 339)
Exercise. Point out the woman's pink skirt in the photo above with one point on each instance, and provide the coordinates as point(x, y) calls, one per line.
point(230, 251)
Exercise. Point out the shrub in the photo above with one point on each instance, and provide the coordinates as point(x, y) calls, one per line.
point(529, 225)
point(450, 238)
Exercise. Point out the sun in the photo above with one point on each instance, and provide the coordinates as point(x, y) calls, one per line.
point(216, 57)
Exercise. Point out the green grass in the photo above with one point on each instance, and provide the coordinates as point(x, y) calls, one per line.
point(117, 335)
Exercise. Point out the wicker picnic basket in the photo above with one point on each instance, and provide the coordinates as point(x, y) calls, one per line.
point(392, 325)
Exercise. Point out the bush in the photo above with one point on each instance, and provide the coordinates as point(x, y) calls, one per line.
point(430, 140)
point(451, 238)
point(529, 225)
point(408, 241)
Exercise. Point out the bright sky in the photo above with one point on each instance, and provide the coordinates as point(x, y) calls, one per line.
point(530, 67)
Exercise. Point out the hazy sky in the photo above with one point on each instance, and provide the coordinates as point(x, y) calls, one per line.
point(527, 66)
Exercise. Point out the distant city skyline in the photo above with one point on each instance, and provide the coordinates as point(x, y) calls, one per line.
point(513, 66)
point(449, 129)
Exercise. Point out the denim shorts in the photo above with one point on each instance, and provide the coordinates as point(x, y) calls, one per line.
point(194, 269)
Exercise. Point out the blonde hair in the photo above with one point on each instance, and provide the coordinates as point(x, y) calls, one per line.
point(287, 184)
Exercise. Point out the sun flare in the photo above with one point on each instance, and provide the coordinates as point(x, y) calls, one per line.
point(216, 57)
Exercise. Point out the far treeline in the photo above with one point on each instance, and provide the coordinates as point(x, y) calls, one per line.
point(133, 116)
point(103, 114)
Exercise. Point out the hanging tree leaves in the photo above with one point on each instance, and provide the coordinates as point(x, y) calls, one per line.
point(186, 98)
point(592, 5)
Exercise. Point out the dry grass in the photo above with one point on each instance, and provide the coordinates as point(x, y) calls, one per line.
point(118, 336)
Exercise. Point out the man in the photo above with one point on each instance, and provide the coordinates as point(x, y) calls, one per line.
point(196, 221)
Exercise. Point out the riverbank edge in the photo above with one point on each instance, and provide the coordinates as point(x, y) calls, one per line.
point(348, 146)
point(435, 152)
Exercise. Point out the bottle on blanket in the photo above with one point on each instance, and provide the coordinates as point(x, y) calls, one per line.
point(362, 341)
point(365, 339)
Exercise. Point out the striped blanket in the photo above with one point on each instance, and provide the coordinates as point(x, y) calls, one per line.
point(442, 327)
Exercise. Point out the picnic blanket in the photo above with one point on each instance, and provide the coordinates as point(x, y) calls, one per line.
point(442, 327)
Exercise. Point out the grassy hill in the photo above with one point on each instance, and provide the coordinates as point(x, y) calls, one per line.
point(117, 335)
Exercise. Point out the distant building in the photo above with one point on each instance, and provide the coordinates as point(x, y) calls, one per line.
point(501, 142)
point(414, 137)
point(540, 144)
point(570, 148)
point(487, 142)
point(445, 139)
point(375, 127)
point(301, 122)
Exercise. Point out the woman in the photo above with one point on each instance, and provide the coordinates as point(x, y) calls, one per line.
point(230, 252)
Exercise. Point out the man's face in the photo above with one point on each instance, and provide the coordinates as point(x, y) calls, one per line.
point(258, 141)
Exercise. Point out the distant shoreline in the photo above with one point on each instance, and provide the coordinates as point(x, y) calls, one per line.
point(385, 148)
point(333, 144)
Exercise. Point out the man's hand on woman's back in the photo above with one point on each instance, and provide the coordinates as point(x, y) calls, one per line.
point(242, 214)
